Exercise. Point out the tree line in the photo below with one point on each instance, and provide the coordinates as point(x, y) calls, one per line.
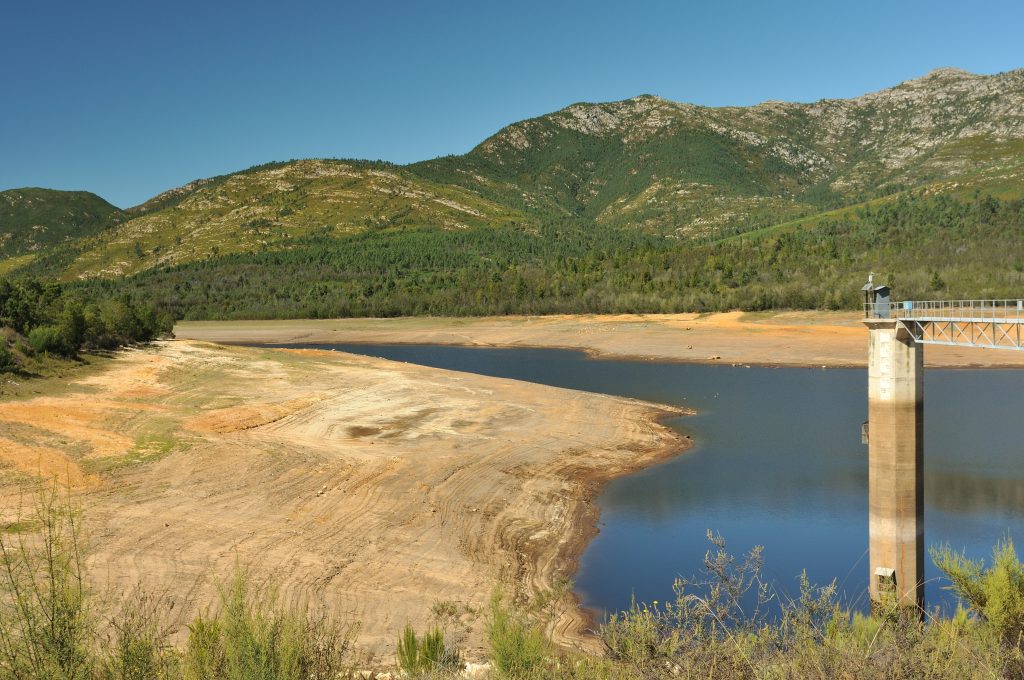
point(923, 246)
point(42, 318)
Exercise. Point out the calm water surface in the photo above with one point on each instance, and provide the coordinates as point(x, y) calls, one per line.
point(778, 462)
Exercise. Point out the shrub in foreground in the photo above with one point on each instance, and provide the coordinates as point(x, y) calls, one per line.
point(706, 632)
point(45, 627)
point(250, 637)
point(49, 632)
point(519, 648)
point(426, 655)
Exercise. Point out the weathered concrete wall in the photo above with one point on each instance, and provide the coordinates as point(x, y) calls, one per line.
point(895, 459)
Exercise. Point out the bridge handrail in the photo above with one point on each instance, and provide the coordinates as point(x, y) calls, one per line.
point(1009, 311)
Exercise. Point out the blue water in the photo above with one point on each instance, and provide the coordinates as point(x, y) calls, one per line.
point(777, 462)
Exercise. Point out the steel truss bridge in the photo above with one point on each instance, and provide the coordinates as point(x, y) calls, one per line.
point(993, 324)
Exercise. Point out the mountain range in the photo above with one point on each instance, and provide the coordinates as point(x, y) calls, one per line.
point(699, 186)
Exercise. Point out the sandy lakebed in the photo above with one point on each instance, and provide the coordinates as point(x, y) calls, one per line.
point(370, 488)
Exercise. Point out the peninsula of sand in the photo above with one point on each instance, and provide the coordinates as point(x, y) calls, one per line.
point(373, 489)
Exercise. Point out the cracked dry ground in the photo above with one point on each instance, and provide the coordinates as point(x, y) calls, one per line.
point(371, 488)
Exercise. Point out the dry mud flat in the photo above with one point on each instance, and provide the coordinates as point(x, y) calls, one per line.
point(764, 338)
point(371, 488)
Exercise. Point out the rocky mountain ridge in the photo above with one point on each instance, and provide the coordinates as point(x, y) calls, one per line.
point(676, 169)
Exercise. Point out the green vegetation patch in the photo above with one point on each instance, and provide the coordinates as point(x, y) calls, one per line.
point(147, 449)
point(24, 526)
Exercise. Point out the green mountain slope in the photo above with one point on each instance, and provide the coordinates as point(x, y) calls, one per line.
point(266, 208)
point(927, 247)
point(32, 220)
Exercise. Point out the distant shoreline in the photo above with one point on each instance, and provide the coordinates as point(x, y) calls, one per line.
point(775, 339)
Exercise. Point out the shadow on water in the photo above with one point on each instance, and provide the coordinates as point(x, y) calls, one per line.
point(778, 462)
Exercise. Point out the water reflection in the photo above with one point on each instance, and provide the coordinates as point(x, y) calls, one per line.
point(962, 493)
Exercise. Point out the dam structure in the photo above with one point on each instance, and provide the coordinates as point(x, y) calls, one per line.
point(897, 334)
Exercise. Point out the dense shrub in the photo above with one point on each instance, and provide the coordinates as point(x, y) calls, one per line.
point(250, 637)
point(45, 628)
point(49, 632)
point(995, 594)
point(427, 654)
point(52, 340)
point(519, 648)
point(57, 322)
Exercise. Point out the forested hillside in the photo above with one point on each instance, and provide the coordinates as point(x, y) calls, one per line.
point(923, 246)
point(638, 205)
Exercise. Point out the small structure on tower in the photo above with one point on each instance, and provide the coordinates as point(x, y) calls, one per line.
point(876, 299)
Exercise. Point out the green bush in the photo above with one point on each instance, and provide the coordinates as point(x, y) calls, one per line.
point(45, 628)
point(408, 651)
point(250, 637)
point(996, 594)
point(47, 631)
point(519, 648)
point(140, 649)
point(51, 340)
point(704, 633)
point(428, 654)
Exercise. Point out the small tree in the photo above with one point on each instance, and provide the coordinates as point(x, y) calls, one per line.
point(518, 646)
point(45, 628)
point(7, 362)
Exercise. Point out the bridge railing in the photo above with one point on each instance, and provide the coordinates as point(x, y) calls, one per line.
point(1010, 311)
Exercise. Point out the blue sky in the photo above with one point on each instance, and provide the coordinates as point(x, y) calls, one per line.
point(127, 99)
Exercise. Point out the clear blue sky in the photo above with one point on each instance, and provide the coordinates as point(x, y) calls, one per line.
point(127, 99)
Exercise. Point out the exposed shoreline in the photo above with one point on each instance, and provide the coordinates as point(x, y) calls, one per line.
point(780, 339)
point(574, 626)
point(373, 487)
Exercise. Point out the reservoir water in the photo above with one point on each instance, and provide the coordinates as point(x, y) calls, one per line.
point(778, 462)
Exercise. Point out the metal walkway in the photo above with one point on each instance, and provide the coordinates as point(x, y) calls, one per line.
point(992, 324)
